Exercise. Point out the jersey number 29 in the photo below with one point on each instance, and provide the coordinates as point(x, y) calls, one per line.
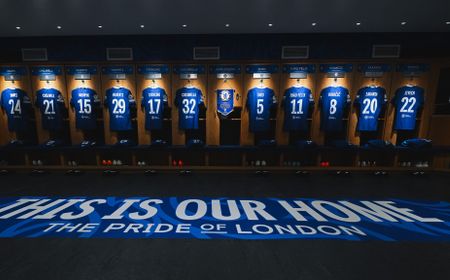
point(119, 106)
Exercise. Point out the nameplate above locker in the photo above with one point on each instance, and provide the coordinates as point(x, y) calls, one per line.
point(299, 71)
point(153, 72)
point(225, 71)
point(81, 72)
point(117, 72)
point(46, 73)
point(374, 70)
point(261, 71)
point(336, 70)
point(13, 73)
point(189, 72)
point(413, 70)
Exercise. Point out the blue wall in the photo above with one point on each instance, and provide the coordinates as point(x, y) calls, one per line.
point(233, 47)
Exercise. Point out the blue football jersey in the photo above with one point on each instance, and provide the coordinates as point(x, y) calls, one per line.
point(153, 102)
point(85, 101)
point(408, 100)
point(188, 100)
point(15, 103)
point(259, 103)
point(296, 102)
point(334, 101)
point(370, 101)
point(119, 102)
point(51, 104)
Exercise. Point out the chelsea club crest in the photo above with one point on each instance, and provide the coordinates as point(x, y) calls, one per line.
point(225, 95)
point(225, 101)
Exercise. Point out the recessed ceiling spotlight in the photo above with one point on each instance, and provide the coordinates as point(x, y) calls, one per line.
point(447, 22)
point(314, 23)
point(59, 27)
point(227, 25)
point(142, 26)
point(18, 27)
point(403, 23)
point(100, 26)
point(184, 25)
point(270, 24)
point(358, 23)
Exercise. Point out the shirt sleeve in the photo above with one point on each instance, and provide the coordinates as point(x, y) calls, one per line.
point(247, 102)
point(164, 97)
point(283, 101)
point(201, 99)
point(1, 99)
point(274, 99)
point(96, 98)
point(311, 98)
point(358, 97)
point(321, 98)
point(105, 101)
point(177, 98)
point(131, 100)
point(385, 99)
point(349, 99)
point(72, 100)
point(37, 99)
point(143, 99)
point(60, 98)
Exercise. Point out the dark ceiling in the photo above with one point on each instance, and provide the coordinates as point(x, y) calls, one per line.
point(82, 17)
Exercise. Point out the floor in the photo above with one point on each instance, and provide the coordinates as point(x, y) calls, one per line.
point(64, 258)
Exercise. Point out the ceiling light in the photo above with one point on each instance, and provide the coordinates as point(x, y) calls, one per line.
point(403, 23)
point(270, 24)
point(314, 23)
point(142, 26)
point(447, 22)
point(100, 26)
point(358, 23)
point(227, 25)
point(184, 25)
point(18, 27)
point(59, 27)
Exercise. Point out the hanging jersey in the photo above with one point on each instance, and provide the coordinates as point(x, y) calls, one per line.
point(225, 101)
point(408, 100)
point(296, 103)
point(119, 102)
point(51, 104)
point(333, 101)
point(153, 101)
point(370, 101)
point(16, 104)
point(188, 101)
point(85, 101)
point(259, 103)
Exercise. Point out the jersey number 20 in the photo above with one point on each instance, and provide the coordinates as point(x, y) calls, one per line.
point(370, 106)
